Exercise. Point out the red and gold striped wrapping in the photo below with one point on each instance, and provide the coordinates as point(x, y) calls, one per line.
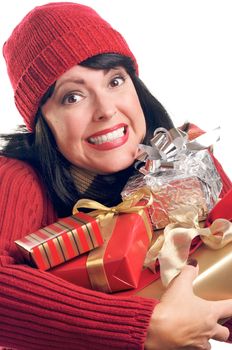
point(61, 241)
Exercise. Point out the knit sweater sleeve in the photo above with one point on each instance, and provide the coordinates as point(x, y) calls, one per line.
point(39, 310)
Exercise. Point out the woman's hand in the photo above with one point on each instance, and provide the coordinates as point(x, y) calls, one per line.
point(183, 321)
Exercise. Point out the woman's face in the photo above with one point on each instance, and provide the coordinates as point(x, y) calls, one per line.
point(96, 118)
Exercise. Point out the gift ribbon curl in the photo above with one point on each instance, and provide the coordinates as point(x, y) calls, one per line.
point(168, 145)
point(172, 248)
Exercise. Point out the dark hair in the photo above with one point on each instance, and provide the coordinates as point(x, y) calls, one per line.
point(40, 150)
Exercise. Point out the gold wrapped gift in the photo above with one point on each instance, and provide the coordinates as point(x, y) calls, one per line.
point(214, 281)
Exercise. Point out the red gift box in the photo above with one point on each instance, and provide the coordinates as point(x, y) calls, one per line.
point(61, 241)
point(117, 265)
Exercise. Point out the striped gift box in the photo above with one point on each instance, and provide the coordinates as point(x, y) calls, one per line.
point(61, 241)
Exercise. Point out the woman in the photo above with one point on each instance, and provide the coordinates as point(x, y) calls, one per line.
point(76, 86)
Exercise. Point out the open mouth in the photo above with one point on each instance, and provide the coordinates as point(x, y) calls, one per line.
point(108, 137)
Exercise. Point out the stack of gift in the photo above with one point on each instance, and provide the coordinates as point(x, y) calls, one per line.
point(61, 241)
point(185, 186)
point(178, 172)
point(87, 250)
point(214, 257)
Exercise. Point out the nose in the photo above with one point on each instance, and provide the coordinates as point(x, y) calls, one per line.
point(104, 108)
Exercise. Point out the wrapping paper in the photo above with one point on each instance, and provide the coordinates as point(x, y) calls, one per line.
point(172, 195)
point(214, 257)
point(61, 241)
point(185, 236)
point(178, 173)
point(213, 253)
point(117, 265)
point(214, 281)
point(173, 246)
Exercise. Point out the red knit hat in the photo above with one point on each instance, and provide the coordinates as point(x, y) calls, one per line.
point(50, 40)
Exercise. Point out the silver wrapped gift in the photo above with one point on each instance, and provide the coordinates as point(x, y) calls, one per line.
point(177, 172)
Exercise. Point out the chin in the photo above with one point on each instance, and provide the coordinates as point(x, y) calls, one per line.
point(114, 168)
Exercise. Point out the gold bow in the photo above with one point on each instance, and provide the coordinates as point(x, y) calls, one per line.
point(172, 247)
point(126, 206)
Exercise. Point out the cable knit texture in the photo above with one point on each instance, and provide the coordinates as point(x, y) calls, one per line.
point(40, 311)
point(51, 39)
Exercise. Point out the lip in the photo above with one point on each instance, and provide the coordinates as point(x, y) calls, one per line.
point(110, 144)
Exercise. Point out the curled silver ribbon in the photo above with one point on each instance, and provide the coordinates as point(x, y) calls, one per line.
point(171, 154)
point(168, 146)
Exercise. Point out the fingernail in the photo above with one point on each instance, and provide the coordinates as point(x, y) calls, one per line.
point(192, 262)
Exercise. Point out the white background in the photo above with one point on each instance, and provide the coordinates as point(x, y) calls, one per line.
point(183, 48)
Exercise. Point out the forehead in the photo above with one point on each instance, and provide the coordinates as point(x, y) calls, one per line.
point(85, 72)
point(85, 76)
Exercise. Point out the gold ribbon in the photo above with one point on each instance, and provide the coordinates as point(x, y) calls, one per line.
point(172, 248)
point(126, 206)
point(95, 260)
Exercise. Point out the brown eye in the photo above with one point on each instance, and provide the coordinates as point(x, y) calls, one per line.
point(71, 98)
point(117, 81)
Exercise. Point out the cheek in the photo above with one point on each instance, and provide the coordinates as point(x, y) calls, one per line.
point(137, 114)
point(134, 103)
point(67, 129)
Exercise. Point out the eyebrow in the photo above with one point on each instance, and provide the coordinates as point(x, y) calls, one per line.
point(69, 80)
point(81, 81)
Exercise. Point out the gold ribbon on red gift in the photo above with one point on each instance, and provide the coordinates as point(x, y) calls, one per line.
point(172, 248)
point(107, 219)
point(126, 206)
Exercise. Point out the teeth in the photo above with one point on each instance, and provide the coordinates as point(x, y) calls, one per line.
point(111, 136)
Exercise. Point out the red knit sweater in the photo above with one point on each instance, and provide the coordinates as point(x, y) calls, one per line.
point(40, 311)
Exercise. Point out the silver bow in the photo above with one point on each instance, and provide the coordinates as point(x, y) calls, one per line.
point(171, 154)
point(167, 147)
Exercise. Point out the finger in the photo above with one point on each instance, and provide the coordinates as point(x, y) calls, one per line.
point(186, 276)
point(205, 346)
point(221, 333)
point(223, 308)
